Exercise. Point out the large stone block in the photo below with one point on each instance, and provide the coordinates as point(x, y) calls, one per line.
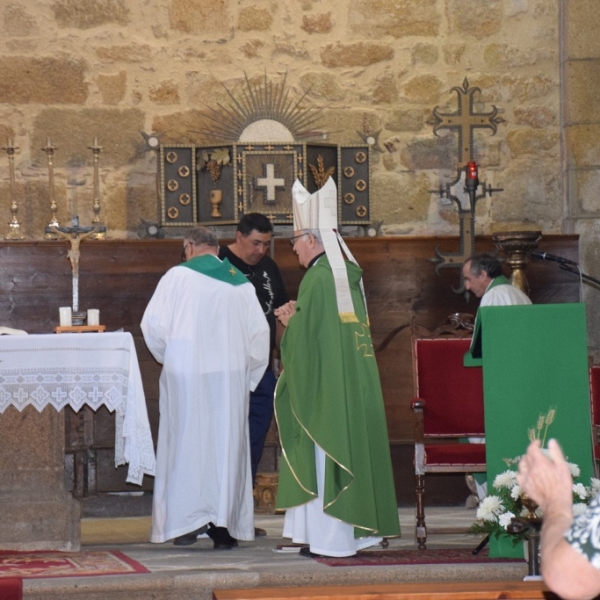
point(254, 18)
point(510, 56)
point(317, 23)
point(165, 92)
point(474, 18)
point(583, 191)
point(345, 123)
point(533, 141)
point(322, 85)
point(359, 54)
point(431, 153)
point(33, 200)
point(582, 88)
point(581, 38)
point(395, 18)
point(126, 207)
point(536, 116)
point(425, 89)
point(72, 131)
point(406, 119)
point(129, 53)
point(201, 17)
point(532, 194)
point(112, 87)
point(582, 145)
point(84, 15)
point(43, 80)
point(181, 127)
point(383, 89)
point(37, 512)
point(399, 197)
point(18, 21)
point(427, 54)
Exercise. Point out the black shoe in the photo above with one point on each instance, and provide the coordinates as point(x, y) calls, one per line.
point(258, 532)
point(221, 538)
point(187, 539)
point(305, 551)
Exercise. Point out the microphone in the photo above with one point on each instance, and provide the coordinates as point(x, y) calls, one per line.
point(552, 257)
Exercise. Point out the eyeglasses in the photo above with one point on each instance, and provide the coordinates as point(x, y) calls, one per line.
point(295, 238)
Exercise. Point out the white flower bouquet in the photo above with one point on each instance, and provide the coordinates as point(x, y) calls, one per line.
point(496, 510)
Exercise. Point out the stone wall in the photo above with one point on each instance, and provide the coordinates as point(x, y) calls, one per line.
point(76, 69)
point(580, 62)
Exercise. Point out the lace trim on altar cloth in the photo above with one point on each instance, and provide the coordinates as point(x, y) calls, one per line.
point(94, 387)
point(74, 387)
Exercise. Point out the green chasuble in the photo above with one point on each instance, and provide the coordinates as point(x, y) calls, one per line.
point(534, 360)
point(329, 393)
point(211, 266)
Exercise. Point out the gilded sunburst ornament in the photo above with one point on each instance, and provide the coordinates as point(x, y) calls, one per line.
point(263, 112)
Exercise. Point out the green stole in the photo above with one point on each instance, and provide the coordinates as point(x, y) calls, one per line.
point(211, 266)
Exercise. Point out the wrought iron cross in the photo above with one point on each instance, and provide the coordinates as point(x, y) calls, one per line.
point(464, 121)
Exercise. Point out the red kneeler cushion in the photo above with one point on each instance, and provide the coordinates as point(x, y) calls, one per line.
point(455, 454)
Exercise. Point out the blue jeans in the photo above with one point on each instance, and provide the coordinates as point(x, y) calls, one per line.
point(260, 416)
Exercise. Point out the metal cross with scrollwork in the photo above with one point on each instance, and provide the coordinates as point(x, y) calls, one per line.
point(464, 121)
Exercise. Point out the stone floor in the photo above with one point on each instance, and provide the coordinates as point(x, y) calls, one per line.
point(194, 571)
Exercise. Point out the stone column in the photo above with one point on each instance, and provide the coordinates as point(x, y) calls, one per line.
point(37, 513)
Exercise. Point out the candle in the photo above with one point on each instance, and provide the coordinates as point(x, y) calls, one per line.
point(48, 143)
point(64, 313)
point(93, 316)
point(95, 142)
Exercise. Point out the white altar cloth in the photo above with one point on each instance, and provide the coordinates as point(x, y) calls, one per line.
point(79, 369)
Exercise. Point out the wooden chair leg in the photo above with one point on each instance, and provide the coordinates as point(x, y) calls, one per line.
point(421, 528)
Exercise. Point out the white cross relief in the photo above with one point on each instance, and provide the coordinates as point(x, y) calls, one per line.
point(270, 182)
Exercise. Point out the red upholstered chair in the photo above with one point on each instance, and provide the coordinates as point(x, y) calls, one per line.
point(448, 405)
point(595, 406)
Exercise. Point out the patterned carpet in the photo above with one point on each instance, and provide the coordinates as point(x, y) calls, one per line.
point(67, 564)
point(374, 558)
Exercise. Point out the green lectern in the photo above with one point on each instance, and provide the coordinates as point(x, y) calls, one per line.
point(534, 358)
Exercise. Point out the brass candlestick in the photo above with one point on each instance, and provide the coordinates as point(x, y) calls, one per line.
point(14, 233)
point(530, 526)
point(517, 245)
point(96, 222)
point(49, 150)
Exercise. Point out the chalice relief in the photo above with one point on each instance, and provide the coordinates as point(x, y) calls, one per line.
point(75, 234)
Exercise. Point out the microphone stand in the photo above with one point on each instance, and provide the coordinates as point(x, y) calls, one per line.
point(572, 269)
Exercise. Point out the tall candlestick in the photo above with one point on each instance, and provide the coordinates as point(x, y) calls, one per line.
point(100, 233)
point(49, 150)
point(14, 232)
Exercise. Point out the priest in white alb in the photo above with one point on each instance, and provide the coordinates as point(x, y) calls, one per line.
point(205, 325)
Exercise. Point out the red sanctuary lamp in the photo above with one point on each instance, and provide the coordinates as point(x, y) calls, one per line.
point(472, 175)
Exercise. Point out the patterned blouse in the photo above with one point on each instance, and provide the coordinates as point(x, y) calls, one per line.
point(584, 534)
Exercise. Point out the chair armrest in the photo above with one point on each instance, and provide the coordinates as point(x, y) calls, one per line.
point(417, 405)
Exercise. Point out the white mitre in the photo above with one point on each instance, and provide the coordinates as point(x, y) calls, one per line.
point(319, 211)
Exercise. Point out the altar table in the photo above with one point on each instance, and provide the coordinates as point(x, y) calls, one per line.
point(77, 369)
